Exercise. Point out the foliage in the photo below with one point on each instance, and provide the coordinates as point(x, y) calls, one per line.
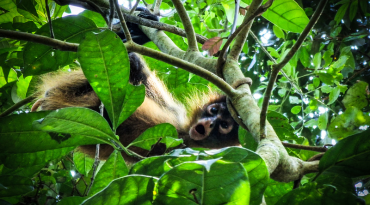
point(323, 98)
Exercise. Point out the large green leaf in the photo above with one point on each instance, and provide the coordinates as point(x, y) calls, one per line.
point(12, 185)
point(134, 97)
point(157, 165)
point(288, 15)
point(40, 58)
point(152, 135)
point(349, 157)
point(105, 63)
point(132, 189)
point(356, 96)
point(275, 190)
point(177, 77)
point(200, 183)
point(312, 193)
point(114, 168)
point(79, 121)
point(83, 162)
point(16, 131)
point(348, 123)
point(254, 165)
point(33, 158)
point(8, 11)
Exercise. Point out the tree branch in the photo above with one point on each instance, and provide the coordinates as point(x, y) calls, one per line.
point(57, 44)
point(242, 36)
point(304, 147)
point(197, 70)
point(190, 33)
point(221, 60)
point(277, 67)
point(123, 22)
point(19, 104)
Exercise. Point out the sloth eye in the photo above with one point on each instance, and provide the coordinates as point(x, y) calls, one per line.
point(224, 125)
point(214, 110)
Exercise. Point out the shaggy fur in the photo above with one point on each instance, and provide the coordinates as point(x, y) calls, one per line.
point(71, 89)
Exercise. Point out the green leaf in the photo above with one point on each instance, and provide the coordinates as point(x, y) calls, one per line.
point(132, 189)
point(28, 5)
point(323, 121)
point(39, 59)
point(278, 32)
point(334, 94)
point(79, 121)
point(348, 123)
point(114, 168)
point(158, 165)
point(247, 140)
point(312, 193)
point(349, 157)
point(341, 11)
point(363, 6)
point(254, 165)
point(152, 135)
point(356, 96)
point(96, 17)
point(353, 10)
point(105, 63)
point(8, 11)
point(317, 60)
point(134, 97)
point(304, 56)
point(83, 162)
point(288, 15)
point(334, 32)
point(12, 185)
point(328, 57)
point(316, 82)
point(275, 190)
point(281, 126)
point(33, 158)
point(296, 109)
point(326, 89)
point(197, 183)
point(13, 137)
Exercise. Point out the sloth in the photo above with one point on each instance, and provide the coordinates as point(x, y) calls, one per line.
point(207, 123)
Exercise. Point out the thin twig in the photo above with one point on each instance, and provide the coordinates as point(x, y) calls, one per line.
point(19, 104)
point(221, 60)
point(123, 22)
point(189, 29)
point(111, 14)
point(49, 19)
point(274, 61)
point(304, 147)
point(57, 44)
point(135, 6)
point(277, 67)
point(95, 168)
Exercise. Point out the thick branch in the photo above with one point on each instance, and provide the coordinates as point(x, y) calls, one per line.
point(278, 67)
point(189, 29)
point(57, 44)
